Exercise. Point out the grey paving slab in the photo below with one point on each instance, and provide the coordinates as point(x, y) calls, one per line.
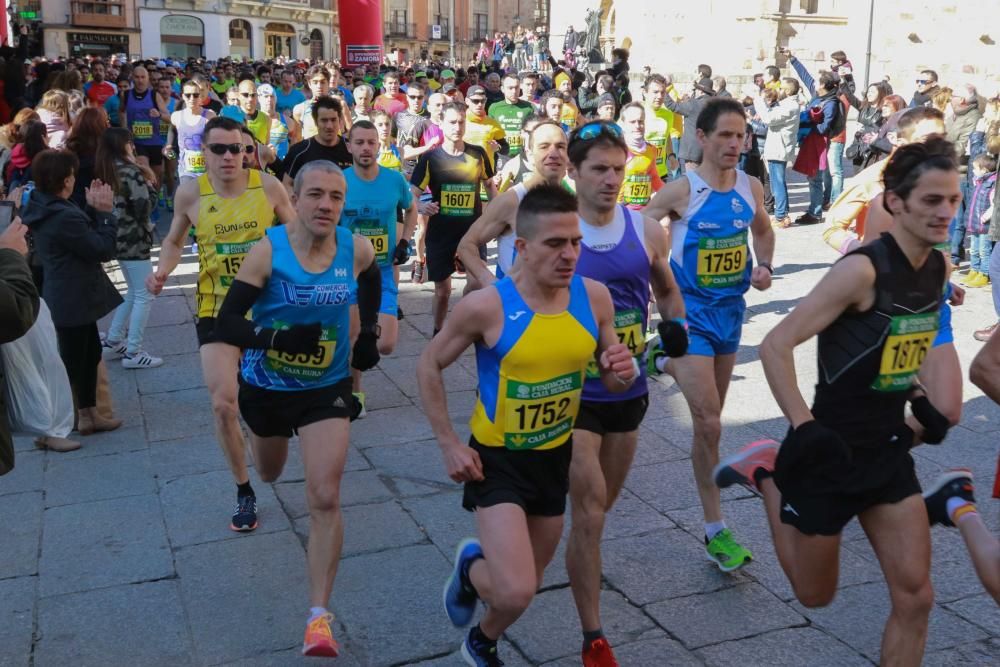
point(186, 456)
point(293, 656)
point(443, 519)
point(182, 371)
point(793, 647)
point(394, 426)
point(167, 341)
point(197, 508)
point(981, 610)
point(670, 486)
point(411, 342)
point(27, 474)
point(632, 516)
point(17, 614)
point(98, 478)
point(20, 533)
point(403, 370)
point(414, 468)
point(974, 654)
point(373, 528)
point(356, 488)
point(103, 543)
point(652, 648)
point(111, 626)
point(858, 613)
point(266, 574)
point(169, 310)
point(505, 650)
point(750, 610)
point(370, 584)
point(549, 629)
point(654, 448)
point(177, 414)
point(661, 565)
point(381, 392)
point(130, 437)
point(295, 471)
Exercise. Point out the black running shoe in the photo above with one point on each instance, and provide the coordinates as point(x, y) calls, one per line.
point(245, 516)
point(399, 313)
point(479, 651)
point(952, 484)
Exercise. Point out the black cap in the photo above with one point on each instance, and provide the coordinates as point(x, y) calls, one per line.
point(606, 98)
point(475, 90)
point(705, 86)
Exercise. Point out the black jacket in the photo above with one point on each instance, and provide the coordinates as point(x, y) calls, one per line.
point(71, 246)
point(18, 310)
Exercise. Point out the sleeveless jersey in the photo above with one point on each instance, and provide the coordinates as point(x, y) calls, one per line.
point(641, 178)
point(145, 129)
point(278, 136)
point(191, 161)
point(390, 159)
point(296, 296)
point(522, 172)
point(259, 126)
point(658, 125)
point(529, 389)
point(615, 256)
point(710, 256)
point(225, 232)
point(309, 128)
point(868, 360)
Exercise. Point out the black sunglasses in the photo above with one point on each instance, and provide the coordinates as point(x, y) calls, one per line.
point(221, 149)
point(247, 94)
point(191, 95)
point(416, 97)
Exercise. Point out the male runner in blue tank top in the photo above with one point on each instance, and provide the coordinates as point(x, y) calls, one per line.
point(294, 375)
point(710, 213)
point(516, 465)
point(628, 253)
point(373, 195)
point(875, 315)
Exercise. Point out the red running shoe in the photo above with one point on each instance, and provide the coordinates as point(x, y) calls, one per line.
point(599, 654)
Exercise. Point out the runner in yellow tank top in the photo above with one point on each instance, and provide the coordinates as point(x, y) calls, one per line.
point(230, 208)
point(516, 466)
point(225, 231)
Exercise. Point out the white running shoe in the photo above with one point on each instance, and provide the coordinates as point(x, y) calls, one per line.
point(141, 359)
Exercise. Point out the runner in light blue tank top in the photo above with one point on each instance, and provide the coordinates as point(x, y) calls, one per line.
point(295, 296)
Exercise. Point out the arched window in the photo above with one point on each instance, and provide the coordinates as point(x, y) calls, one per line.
point(279, 40)
point(316, 50)
point(240, 38)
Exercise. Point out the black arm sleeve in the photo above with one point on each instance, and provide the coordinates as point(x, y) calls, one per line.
point(369, 295)
point(233, 327)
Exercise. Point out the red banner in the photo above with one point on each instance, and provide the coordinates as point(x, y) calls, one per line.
point(361, 32)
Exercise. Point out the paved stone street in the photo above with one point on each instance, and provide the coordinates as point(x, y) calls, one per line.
point(120, 553)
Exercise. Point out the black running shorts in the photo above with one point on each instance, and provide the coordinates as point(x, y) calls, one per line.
point(535, 480)
point(271, 413)
point(602, 417)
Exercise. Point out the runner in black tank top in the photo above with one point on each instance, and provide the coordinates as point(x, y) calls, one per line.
point(876, 315)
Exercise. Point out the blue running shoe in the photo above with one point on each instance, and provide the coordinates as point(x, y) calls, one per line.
point(478, 651)
point(459, 599)
point(245, 516)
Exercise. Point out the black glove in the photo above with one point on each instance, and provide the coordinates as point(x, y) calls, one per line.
point(673, 337)
point(935, 424)
point(298, 339)
point(365, 353)
point(402, 252)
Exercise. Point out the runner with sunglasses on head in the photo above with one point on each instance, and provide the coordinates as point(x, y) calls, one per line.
point(627, 252)
point(711, 212)
point(230, 208)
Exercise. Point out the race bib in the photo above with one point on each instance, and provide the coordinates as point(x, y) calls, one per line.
point(376, 232)
point(164, 128)
point(628, 326)
point(514, 141)
point(638, 189)
point(910, 339)
point(230, 259)
point(661, 150)
point(305, 366)
point(722, 262)
point(194, 162)
point(458, 199)
point(539, 413)
point(142, 129)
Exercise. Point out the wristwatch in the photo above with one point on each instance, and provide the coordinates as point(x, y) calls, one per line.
point(767, 265)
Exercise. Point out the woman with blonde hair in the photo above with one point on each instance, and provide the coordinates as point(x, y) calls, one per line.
point(53, 110)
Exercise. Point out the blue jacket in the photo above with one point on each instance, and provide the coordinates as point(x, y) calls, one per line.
point(832, 112)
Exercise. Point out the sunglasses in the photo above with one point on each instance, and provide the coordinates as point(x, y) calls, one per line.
point(235, 149)
point(416, 97)
point(247, 94)
point(591, 131)
point(478, 100)
point(921, 82)
point(190, 95)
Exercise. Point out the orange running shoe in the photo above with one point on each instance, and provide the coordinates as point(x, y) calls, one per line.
point(319, 640)
point(598, 654)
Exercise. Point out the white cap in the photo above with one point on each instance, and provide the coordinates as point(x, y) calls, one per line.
point(265, 89)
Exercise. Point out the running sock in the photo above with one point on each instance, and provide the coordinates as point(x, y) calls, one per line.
point(713, 529)
point(480, 636)
point(590, 635)
point(244, 489)
point(316, 612)
point(958, 507)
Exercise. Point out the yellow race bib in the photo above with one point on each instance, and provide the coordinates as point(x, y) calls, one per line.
point(194, 162)
point(230, 258)
point(142, 129)
point(458, 199)
point(910, 339)
point(628, 326)
point(538, 413)
point(722, 262)
point(374, 231)
point(638, 189)
point(305, 366)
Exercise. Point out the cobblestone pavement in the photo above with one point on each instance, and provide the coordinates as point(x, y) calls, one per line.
point(120, 553)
